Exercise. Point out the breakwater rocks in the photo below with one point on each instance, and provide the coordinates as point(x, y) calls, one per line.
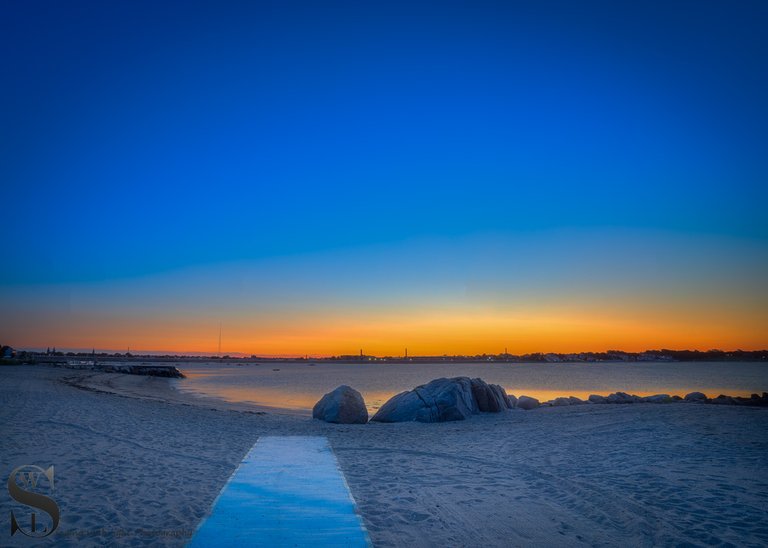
point(168, 371)
point(459, 398)
point(694, 397)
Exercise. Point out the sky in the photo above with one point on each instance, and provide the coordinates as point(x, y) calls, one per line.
point(324, 177)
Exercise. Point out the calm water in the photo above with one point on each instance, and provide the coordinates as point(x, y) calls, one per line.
point(300, 385)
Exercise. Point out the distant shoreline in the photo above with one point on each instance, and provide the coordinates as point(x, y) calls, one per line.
point(664, 355)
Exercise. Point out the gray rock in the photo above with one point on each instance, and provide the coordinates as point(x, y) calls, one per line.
point(437, 401)
point(524, 402)
point(760, 401)
point(402, 407)
point(594, 398)
point(558, 402)
point(622, 397)
point(445, 400)
point(752, 400)
point(658, 398)
point(490, 398)
point(503, 396)
point(723, 400)
point(344, 405)
point(696, 397)
point(575, 400)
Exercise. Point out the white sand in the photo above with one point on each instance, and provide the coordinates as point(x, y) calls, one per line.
point(138, 463)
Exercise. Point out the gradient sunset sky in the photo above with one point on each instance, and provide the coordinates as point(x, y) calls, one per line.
point(321, 177)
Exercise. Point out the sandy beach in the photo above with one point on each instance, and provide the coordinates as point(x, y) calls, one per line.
point(138, 463)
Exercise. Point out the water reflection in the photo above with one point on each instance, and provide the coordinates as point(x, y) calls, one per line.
point(297, 386)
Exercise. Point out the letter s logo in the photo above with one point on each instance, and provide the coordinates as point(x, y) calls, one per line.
point(30, 475)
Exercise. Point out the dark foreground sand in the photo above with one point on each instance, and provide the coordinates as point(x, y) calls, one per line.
point(138, 463)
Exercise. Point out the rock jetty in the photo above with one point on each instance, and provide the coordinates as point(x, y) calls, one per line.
point(168, 371)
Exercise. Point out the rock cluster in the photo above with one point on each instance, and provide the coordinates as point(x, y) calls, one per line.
point(443, 400)
point(693, 397)
point(459, 398)
point(753, 400)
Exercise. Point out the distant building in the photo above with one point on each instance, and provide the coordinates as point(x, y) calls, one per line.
point(355, 357)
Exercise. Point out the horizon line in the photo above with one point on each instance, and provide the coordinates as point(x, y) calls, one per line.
point(250, 355)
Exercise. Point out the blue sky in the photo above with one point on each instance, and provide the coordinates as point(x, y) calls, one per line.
point(141, 138)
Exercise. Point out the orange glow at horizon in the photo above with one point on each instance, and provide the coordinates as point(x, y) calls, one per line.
point(423, 333)
point(549, 293)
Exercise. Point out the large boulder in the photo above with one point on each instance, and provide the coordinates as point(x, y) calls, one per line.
point(509, 401)
point(439, 400)
point(524, 402)
point(403, 407)
point(696, 397)
point(490, 398)
point(344, 405)
point(596, 398)
point(445, 400)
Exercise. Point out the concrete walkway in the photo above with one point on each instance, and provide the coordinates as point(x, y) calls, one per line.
point(288, 491)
